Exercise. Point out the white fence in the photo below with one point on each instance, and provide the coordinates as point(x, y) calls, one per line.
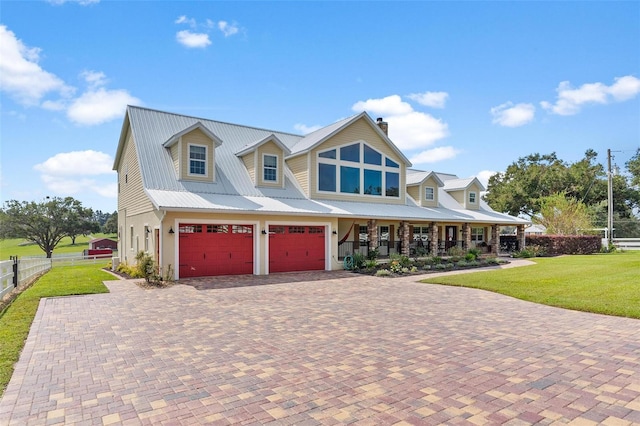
point(627, 243)
point(25, 269)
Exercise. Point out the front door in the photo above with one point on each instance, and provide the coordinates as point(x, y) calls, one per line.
point(451, 236)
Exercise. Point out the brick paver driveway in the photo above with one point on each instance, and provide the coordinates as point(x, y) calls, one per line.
point(355, 349)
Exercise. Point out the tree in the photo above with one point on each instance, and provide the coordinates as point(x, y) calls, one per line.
point(80, 220)
point(519, 189)
point(111, 225)
point(45, 223)
point(633, 165)
point(563, 215)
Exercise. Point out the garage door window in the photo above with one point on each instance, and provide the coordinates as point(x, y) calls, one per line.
point(218, 229)
point(190, 229)
point(242, 229)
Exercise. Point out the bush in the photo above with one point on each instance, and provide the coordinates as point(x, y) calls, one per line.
point(383, 273)
point(373, 254)
point(473, 252)
point(358, 260)
point(566, 244)
point(370, 264)
point(455, 251)
point(531, 251)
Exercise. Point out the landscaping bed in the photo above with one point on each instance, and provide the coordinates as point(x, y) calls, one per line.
point(400, 265)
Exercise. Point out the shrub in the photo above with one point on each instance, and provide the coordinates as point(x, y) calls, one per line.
point(462, 263)
point(492, 260)
point(414, 269)
point(436, 260)
point(530, 251)
point(440, 266)
point(358, 260)
point(566, 244)
point(455, 251)
point(370, 264)
point(473, 252)
point(383, 273)
point(395, 267)
point(373, 254)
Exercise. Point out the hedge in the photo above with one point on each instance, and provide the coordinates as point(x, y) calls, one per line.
point(565, 244)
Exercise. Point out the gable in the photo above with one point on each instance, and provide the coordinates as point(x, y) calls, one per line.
point(369, 182)
point(196, 139)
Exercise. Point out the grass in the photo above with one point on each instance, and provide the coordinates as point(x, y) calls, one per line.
point(19, 247)
point(16, 320)
point(603, 283)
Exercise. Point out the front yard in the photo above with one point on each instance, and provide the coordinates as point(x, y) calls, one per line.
point(599, 283)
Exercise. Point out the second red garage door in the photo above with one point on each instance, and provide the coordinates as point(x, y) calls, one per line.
point(296, 248)
point(207, 250)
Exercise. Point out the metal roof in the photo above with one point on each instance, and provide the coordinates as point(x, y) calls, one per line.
point(233, 189)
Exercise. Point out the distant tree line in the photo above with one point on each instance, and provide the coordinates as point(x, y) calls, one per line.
point(47, 222)
point(568, 198)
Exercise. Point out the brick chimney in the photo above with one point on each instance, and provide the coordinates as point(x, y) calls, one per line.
point(384, 126)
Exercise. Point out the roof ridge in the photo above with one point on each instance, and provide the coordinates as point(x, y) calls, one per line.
point(216, 121)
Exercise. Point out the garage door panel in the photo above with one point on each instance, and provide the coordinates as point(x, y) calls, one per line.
point(296, 248)
point(207, 250)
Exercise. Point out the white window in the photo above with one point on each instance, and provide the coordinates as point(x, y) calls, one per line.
point(429, 193)
point(270, 168)
point(472, 198)
point(358, 169)
point(477, 234)
point(197, 160)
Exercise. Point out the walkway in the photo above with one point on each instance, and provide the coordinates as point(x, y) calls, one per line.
point(343, 350)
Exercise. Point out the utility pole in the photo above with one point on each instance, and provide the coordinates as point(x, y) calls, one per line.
point(610, 199)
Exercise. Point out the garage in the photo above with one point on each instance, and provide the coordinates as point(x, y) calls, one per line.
point(207, 250)
point(296, 248)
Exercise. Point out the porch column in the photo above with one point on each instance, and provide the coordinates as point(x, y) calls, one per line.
point(495, 239)
point(520, 235)
point(466, 236)
point(356, 237)
point(404, 229)
point(433, 239)
point(372, 231)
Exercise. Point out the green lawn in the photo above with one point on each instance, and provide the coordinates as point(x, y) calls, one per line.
point(19, 247)
point(16, 320)
point(601, 283)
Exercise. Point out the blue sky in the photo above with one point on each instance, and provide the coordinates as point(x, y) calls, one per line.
point(466, 87)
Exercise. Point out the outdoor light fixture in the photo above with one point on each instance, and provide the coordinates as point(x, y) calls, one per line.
point(171, 230)
point(334, 232)
point(264, 232)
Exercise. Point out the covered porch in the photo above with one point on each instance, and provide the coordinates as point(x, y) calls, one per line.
point(415, 238)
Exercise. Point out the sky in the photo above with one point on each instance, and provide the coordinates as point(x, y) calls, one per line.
point(466, 87)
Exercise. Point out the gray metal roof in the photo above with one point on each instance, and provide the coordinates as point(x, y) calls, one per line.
point(233, 189)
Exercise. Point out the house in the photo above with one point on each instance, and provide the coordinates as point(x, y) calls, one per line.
point(205, 197)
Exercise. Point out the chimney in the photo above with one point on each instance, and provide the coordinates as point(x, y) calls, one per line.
point(384, 126)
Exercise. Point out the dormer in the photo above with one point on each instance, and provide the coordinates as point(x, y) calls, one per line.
point(423, 187)
point(193, 153)
point(465, 191)
point(264, 160)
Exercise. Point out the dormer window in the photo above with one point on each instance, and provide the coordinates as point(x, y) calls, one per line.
point(429, 193)
point(472, 198)
point(270, 168)
point(358, 169)
point(197, 160)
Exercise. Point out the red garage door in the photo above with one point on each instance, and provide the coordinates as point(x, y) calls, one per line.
point(207, 250)
point(296, 248)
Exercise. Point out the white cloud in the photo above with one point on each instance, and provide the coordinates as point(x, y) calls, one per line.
point(408, 129)
point(193, 40)
point(21, 76)
point(304, 129)
point(184, 20)
point(77, 163)
point(391, 105)
point(570, 100)
point(99, 106)
point(94, 78)
point(228, 29)
point(435, 155)
point(510, 115)
point(484, 175)
point(430, 99)
point(79, 171)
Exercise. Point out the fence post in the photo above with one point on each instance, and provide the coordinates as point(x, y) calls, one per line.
point(15, 270)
